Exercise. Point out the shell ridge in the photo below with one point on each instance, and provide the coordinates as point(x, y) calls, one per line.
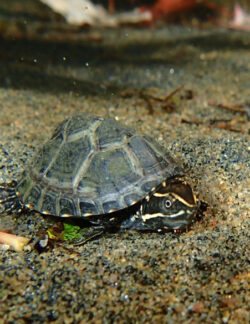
point(164, 153)
point(58, 149)
point(85, 164)
point(134, 160)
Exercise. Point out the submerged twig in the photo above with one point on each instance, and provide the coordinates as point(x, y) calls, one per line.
point(240, 108)
point(15, 242)
point(227, 124)
point(150, 98)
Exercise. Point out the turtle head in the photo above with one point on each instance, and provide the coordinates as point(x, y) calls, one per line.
point(173, 205)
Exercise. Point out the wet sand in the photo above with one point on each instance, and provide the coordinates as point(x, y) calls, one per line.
point(198, 276)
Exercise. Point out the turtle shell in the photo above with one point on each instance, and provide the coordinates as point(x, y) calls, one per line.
point(93, 166)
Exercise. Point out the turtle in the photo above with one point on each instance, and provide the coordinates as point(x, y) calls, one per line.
point(96, 169)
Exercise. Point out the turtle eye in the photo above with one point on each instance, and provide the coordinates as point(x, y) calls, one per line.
point(168, 203)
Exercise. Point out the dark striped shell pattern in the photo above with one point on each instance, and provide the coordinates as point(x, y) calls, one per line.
point(93, 166)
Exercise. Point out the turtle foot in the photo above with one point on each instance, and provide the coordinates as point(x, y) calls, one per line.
point(9, 202)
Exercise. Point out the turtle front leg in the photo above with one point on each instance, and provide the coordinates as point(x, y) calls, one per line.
point(9, 202)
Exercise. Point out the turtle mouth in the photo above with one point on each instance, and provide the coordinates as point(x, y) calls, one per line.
point(181, 220)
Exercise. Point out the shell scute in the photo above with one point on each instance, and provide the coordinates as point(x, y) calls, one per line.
point(48, 203)
point(67, 207)
point(110, 133)
point(89, 208)
point(68, 161)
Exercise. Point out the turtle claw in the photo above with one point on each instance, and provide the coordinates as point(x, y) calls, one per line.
point(9, 202)
point(83, 240)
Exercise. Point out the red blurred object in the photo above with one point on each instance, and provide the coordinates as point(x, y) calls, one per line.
point(161, 8)
point(111, 6)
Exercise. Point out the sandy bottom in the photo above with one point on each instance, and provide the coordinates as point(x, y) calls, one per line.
point(197, 276)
